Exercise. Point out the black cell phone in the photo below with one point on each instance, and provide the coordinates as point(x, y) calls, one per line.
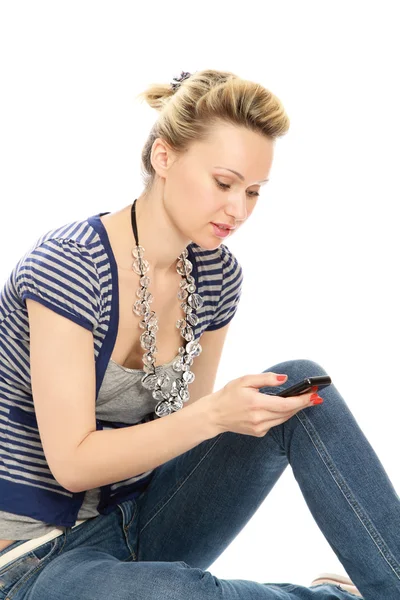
point(305, 386)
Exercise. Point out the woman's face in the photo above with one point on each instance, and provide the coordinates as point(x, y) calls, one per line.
point(195, 194)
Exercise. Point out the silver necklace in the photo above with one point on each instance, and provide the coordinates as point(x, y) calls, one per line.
point(169, 400)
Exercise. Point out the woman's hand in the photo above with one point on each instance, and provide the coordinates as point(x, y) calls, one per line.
point(241, 408)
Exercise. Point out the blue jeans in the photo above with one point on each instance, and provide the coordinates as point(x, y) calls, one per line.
point(159, 546)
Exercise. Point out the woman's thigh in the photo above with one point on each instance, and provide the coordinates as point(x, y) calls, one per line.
point(90, 574)
point(105, 534)
point(198, 502)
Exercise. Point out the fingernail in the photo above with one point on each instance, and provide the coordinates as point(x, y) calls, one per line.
point(281, 377)
point(318, 400)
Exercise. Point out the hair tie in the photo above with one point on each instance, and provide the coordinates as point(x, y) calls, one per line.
point(184, 75)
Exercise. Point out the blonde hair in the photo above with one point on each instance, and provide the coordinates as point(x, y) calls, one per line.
point(203, 100)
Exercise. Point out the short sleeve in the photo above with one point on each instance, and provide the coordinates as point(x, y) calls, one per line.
point(60, 274)
point(232, 281)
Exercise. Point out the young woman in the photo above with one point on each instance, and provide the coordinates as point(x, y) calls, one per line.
point(123, 475)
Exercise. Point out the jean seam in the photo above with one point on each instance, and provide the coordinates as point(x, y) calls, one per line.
point(270, 431)
point(133, 516)
point(125, 528)
point(182, 481)
point(347, 493)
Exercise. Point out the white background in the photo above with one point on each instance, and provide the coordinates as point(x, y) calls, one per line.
point(320, 253)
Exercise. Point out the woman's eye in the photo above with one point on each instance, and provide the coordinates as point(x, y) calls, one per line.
point(225, 186)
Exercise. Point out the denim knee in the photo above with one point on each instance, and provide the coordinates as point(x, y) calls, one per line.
point(297, 369)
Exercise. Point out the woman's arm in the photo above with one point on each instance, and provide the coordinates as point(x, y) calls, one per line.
point(105, 457)
point(63, 379)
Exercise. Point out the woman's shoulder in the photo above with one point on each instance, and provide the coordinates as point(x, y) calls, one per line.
point(61, 270)
point(78, 233)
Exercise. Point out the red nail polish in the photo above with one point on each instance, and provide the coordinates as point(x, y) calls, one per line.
point(318, 401)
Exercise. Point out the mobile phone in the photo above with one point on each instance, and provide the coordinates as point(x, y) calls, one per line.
point(302, 387)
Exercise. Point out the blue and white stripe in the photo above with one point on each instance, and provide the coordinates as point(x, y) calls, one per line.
point(72, 271)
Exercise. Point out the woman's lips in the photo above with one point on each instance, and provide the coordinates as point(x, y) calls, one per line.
point(221, 233)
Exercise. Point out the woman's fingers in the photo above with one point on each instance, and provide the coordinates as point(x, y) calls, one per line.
point(287, 405)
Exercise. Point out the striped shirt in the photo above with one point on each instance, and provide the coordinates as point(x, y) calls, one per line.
point(72, 270)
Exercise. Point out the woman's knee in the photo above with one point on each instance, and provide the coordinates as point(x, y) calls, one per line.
point(297, 369)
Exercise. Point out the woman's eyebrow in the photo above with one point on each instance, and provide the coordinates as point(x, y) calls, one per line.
point(238, 174)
